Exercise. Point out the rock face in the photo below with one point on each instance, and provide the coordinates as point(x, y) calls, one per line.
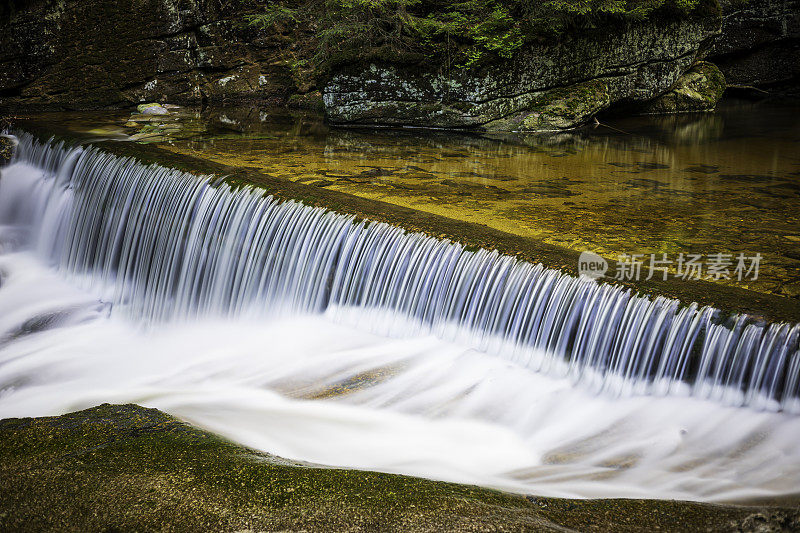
point(85, 54)
point(698, 90)
point(760, 42)
point(546, 87)
point(79, 54)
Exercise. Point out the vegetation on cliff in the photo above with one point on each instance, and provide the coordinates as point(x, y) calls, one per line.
point(458, 34)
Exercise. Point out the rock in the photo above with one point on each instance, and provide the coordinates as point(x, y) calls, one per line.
point(698, 90)
point(760, 43)
point(769, 521)
point(91, 54)
point(127, 468)
point(311, 101)
point(559, 109)
point(85, 54)
point(556, 85)
point(6, 149)
point(151, 109)
point(143, 118)
point(148, 136)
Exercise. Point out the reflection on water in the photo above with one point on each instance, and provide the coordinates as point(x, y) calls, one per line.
point(726, 182)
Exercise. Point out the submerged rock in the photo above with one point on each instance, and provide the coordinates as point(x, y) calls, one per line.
point(152, 109)
point(151, 125)
point(127, 468)
point(698, 90)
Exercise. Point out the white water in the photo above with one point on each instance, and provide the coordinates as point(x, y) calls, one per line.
point(416, 404)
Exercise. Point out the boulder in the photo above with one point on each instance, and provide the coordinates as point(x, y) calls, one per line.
point(152, 109)
point(698, 90)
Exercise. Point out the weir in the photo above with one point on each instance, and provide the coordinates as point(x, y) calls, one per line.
point(164, 245)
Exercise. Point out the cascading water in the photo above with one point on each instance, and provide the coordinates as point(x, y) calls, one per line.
point(173, 250)
point(173, 246)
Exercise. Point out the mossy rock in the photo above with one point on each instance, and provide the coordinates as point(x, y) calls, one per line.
point(311, 101)
point(6, 150)
point(699, 89)
point(127, 468)
point(558, 109)
point(151, 109)
point(568, 107)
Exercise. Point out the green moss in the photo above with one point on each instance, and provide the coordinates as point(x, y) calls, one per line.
point(558, 109)
point(568, 107)
point(137, 469)
point(6, 150)
point(311, 101)
point(123, 467)
point(468, 33)
point(699, 89)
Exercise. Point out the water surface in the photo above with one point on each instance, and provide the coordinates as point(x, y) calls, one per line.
point(324, 386)
point(727, 182)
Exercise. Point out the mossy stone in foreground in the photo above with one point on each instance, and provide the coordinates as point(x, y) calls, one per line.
point(127, 468)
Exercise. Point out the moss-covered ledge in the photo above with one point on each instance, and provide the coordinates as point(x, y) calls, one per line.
point(127, 468)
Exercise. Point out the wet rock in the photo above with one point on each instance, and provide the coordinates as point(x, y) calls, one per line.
point(6, 149)
point(149, 137)
point(152, 109)
point(698, 90)
point(158, 123)
point(769, 522)
point(127, 468)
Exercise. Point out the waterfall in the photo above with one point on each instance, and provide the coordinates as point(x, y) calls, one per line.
point(164, 245)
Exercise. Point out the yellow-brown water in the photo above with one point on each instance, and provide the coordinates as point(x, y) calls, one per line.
point(727, 182)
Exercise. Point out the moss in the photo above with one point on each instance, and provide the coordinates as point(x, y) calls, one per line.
point(568, 107)
point(124, 467)
point(129, 468)
point(713, 85)
point(470, 33)
point(699, 89)
point(6, 150)
point(311, 101)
